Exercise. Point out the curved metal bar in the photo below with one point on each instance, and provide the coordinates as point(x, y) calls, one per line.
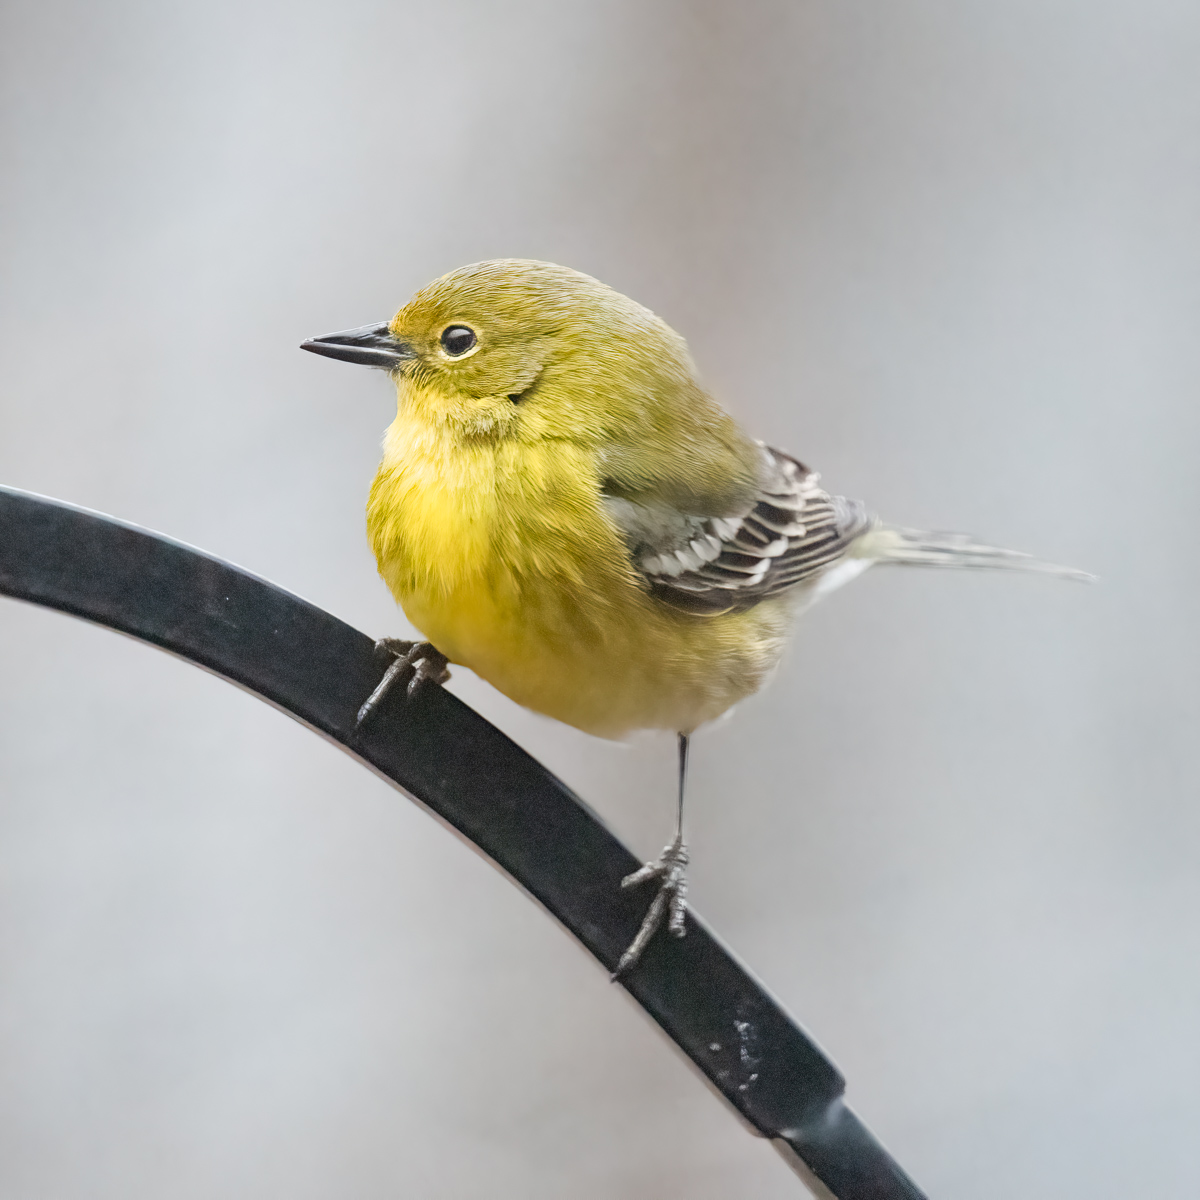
point(467, 773)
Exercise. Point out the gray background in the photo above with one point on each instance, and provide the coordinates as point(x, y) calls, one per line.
point(945, 251)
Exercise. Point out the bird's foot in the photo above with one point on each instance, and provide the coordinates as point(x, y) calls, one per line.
point(420, 659)
point(670, 868)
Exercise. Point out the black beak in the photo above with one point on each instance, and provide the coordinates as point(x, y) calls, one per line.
point(371, 345)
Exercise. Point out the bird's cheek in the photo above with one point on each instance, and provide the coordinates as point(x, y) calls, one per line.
point(503, 372)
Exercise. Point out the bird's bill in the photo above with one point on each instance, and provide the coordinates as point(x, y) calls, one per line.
point(369, 345)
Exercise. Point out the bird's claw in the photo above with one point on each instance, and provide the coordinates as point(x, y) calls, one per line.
point(670, 901)
point(426, 664)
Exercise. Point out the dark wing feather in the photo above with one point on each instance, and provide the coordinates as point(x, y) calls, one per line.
point(791, 531)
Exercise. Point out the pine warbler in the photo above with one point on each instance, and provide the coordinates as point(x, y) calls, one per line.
point(564, 509)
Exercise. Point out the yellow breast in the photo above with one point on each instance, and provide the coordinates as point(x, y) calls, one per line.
point(501, 555)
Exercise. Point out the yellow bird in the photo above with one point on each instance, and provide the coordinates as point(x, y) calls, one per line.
point(562, 508)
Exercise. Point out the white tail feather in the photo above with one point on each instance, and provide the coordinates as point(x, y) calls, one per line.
point(884, 544)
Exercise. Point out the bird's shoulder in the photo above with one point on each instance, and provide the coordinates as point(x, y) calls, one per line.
point(786, 532)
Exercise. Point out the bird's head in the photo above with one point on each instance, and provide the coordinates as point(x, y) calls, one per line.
point(517, 350)
point(514, 347)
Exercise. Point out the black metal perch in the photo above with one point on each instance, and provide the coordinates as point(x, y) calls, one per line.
point(474, 779)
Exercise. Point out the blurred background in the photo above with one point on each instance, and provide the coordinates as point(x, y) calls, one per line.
point(944, 250)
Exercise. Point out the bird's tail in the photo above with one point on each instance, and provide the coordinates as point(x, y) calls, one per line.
point(883, 544)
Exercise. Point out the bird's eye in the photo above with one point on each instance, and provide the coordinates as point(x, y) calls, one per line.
point(457, 339)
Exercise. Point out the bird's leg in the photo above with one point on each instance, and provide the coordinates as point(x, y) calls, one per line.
point(420, 658)
point(671, 869)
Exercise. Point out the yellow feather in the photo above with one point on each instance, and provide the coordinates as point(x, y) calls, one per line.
point(500, 553)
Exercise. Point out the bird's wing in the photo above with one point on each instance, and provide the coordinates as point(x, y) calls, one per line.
point(789, 532)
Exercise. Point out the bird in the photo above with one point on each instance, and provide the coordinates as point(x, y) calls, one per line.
point(564, 509)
